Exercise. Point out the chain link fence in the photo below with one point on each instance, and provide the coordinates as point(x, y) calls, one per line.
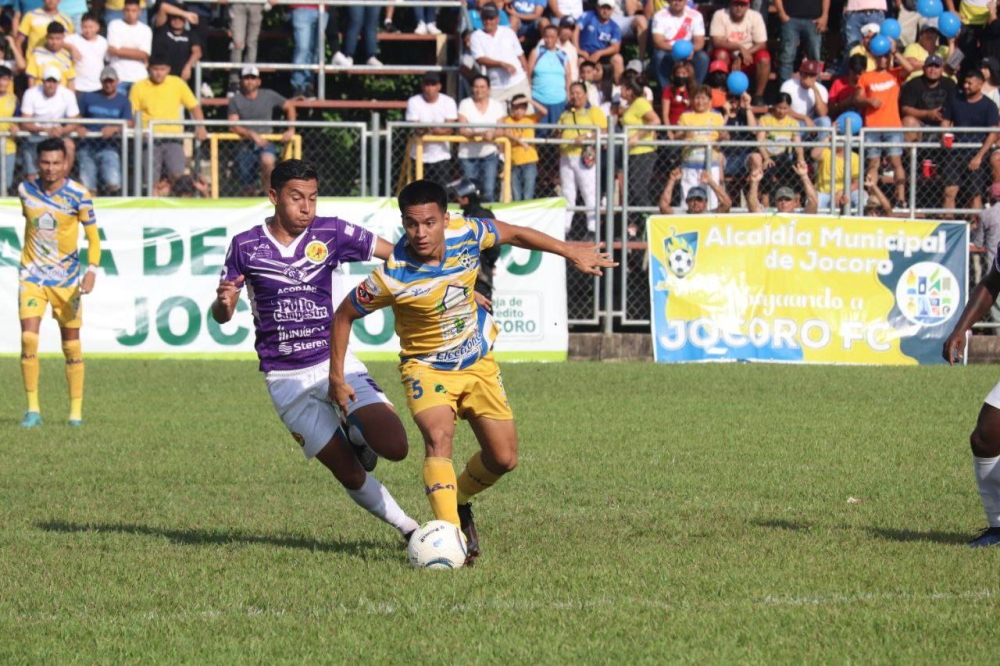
point(629, 174)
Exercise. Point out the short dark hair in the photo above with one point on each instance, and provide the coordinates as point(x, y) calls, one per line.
point(90, 17)
point(421, 192)
point(483, 77)
point(292, 170)
point(586, 63)
point(975, 74)
point(55, 28)
point(5, 71)
point(158, 59)
point(857, 63)
point(50, 145)
point(131, 2)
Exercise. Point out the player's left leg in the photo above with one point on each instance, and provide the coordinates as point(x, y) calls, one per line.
point(73, 353)
point(66, 310)
point(497, 456)
point(985, 441)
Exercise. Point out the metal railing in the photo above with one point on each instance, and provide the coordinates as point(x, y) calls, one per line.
point(366, 159)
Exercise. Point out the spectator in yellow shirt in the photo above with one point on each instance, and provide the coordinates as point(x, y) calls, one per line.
point(523, 155)
point(31, 31)
point(8, 109)
point(51, 54)
point(577, 164)
point(163, 97)
point(700, 156)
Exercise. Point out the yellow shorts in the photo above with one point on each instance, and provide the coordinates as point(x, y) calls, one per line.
point(476, 391)
point(32, 300)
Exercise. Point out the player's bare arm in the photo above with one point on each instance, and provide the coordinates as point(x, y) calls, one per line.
point(226, 296)
point(94, 253)
point(383, 248)
point(980, 302)
point(340, 392)
point(585, 258)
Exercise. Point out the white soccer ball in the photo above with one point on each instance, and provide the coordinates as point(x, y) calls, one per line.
point(437, 545)
point(681, 261)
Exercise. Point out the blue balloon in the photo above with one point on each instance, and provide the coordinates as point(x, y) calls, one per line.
point(856, 122)
point(890, 28)
point(929, 8)
point(682, 50)
point(737, 82)
point(880, 45)
point(949, 24)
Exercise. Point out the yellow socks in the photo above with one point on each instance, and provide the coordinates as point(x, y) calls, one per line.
point(30, 368)
point(475, 479)
point(439, 484)
point(74, 377)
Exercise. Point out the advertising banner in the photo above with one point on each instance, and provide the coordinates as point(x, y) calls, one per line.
point(161, 260)
point(805, 288)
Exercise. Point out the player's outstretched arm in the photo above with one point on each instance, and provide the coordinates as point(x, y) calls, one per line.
point(226, 296)
point(585, 258)
point(383, 248)
point(340, 392)
point(980, 302)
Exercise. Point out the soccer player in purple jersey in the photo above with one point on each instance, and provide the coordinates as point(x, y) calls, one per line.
point(290, 266)
point(985, 439)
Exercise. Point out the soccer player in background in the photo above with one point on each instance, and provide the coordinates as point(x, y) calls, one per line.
point(54, 207)
point(447, 364)
point(291, 266)
point(985, 439)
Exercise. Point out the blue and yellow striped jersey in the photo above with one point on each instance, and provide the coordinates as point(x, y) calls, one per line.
point(52, 232)
point(437, 319)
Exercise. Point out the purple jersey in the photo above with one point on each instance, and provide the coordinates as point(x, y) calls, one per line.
point(291, 288)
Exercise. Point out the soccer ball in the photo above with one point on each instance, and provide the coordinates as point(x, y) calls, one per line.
point(681, 261)
point(437, 545)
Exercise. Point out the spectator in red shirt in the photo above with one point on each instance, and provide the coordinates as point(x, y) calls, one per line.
point(676, 98)
point(844, 91)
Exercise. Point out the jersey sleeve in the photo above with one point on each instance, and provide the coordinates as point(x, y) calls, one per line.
point(355, 243)
point(85, 210)
point(232, 267)
point(485, 230)
point(371, 294)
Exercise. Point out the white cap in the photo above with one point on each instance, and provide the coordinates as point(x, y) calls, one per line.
point(605, 3)
point(869, 29)
point(249, 70)
point(634, 66)
point(52, 72)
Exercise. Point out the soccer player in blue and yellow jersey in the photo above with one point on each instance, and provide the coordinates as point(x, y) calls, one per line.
point(54, 207)
point(447, 363)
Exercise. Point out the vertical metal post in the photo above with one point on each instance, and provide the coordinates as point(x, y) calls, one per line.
point(913, 180)
point(124, 148)
point(150, 147)
point(363, 149)
point(197, 81)
point(137, 162)
point(321, 53)
point(3, 165)
point(387, 185)
point(375, 145)
point(624, 225)
point(848, 153)
point(609, 222)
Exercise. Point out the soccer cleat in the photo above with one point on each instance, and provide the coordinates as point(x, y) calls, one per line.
point(988, 537)
point(31, 420)
point(75, 423)
point(364, 453)
point(407, 537)
point(471, 535)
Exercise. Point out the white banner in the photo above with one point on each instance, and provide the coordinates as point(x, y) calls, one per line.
point(161, 261)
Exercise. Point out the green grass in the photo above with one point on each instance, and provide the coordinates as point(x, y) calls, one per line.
point(659, 514)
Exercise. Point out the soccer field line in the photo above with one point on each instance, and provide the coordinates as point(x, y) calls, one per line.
point(381, 608)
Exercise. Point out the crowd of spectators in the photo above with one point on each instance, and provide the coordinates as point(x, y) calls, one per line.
point(807, 64)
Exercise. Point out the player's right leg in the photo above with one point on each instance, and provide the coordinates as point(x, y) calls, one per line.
point(985, 441)
point(299, 397)
point(31, 306)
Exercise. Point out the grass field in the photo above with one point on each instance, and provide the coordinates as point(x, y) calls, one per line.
point(659, 514)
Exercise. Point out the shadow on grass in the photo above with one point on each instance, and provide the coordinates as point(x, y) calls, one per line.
point(782, 525)
point(890, 534)
point(196, 537)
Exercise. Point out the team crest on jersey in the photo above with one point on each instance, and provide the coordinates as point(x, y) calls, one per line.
point(317, 252)
point(46, 221)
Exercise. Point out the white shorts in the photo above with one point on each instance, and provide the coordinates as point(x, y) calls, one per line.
point(993, 398)
point(300, 398)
